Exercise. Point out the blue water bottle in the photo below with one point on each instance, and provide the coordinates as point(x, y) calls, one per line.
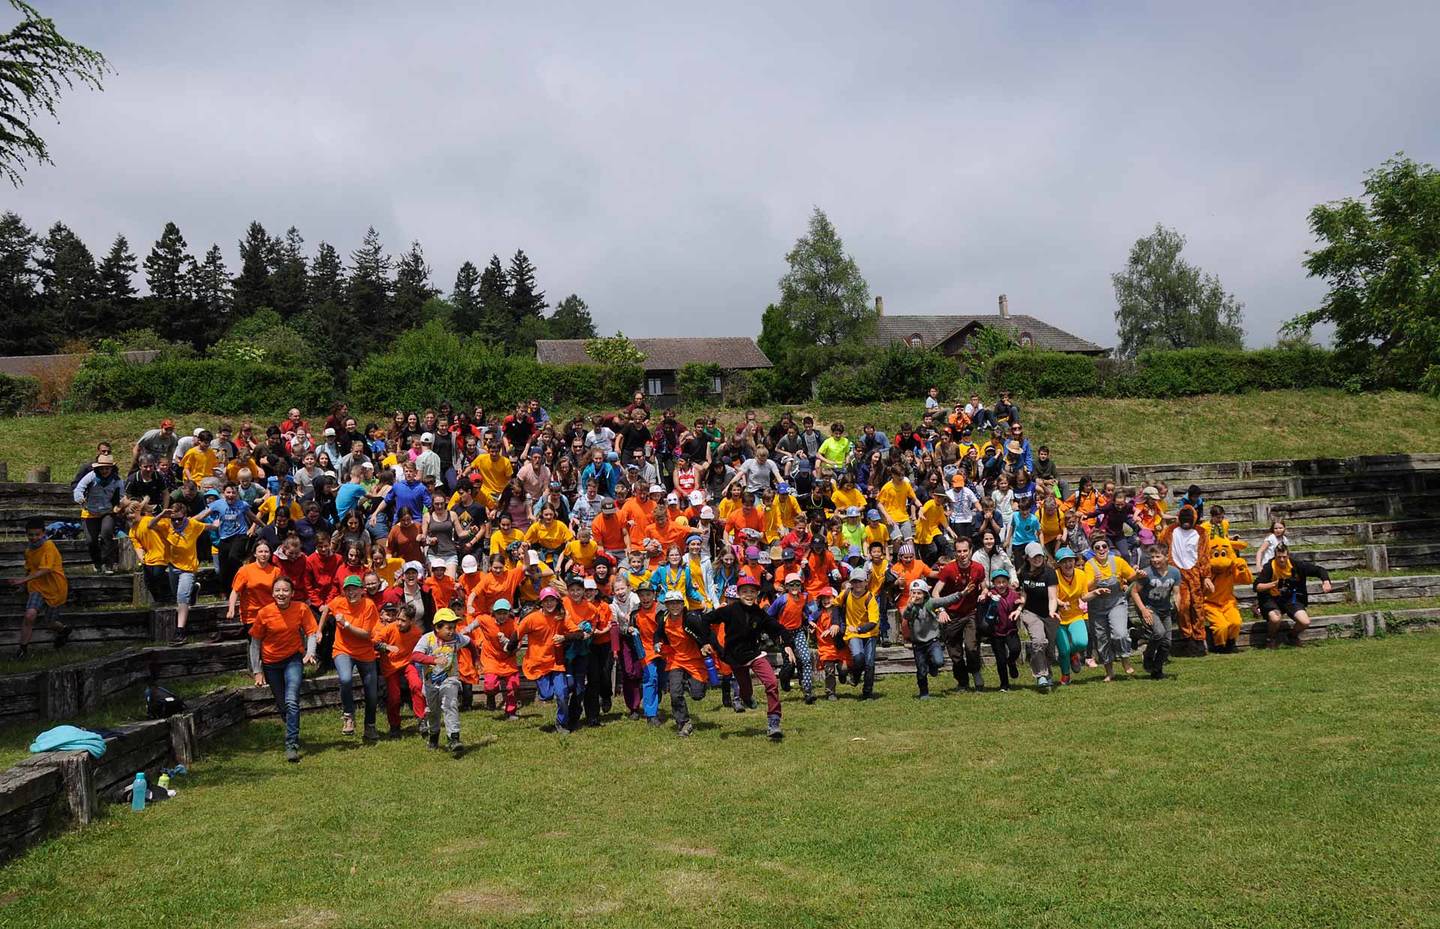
point(138, 790)
point(711, 671)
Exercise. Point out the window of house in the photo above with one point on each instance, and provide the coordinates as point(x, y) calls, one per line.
point(717, 385)
point(1027, 340)
point(653, 386)
point(916, 341)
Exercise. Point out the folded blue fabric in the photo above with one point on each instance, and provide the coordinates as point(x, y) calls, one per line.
point(69, 739)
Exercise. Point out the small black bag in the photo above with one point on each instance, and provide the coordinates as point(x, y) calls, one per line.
point(161, 703)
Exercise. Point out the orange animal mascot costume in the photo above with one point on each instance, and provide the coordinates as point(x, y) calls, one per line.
point(1189, 546)
point(1222, 612)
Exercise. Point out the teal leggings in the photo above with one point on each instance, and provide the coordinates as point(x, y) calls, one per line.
point(1072, 639)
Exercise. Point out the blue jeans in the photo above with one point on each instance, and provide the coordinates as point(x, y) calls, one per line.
point(862, 663)
point(650, 690)
point(929, 659)
point(554, 686)
point(345, 667)
point(284, 680)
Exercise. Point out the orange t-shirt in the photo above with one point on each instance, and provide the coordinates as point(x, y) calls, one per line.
point(681, 651)
point(542, 655)
point(282, 632)
point(494, 659)
point(608, 530)
point(441, 588)
point(745, 518)
point(828, 649)
point(403, 644)
point(792, 614)
point(646, 620)
point(491, 587)
point(917, 570)
point(364, 616)
point(253, 584)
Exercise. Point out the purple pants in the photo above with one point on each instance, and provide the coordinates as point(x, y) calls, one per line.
point(760, 668)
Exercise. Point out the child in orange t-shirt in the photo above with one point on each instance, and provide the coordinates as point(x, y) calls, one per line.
point(545, 633)
point(830, 649)
point(395, 639)
point(496, 634)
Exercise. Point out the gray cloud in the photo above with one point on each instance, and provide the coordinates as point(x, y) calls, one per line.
point(660, 161)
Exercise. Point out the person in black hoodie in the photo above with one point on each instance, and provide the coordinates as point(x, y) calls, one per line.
point(1281, 590)
point(745, 623)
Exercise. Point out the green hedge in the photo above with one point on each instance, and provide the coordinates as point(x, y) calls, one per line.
point(18, 394)
point(894, 373)
point(430, 365)
point(1183, 373)
point(105, 382)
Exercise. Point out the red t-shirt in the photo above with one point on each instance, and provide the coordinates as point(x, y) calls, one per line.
point(955, 577)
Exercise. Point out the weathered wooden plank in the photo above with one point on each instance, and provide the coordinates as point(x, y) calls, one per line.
point(77, 774)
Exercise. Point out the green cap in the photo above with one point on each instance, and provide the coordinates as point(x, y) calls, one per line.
point(353, 581)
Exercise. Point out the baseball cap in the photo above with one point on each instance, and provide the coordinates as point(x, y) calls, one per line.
point(859, 574)
point(1035, 548)
point(413, 566)
point(851, 511)
point(469, 564)
point(873, 516)
point(747, 580)
point(427, 438)
point(1063, 554)
point(608, 506)
point(783, 487)
point(445, 615)
point(752, 552)
point(707, 513)
point(999, 572)
point(854, 552)
point(656, 489)
point(438, 563)
point(612, 456)
point(793, 578)
point(672, 499)
point(696, 498)
point(788, 554)
point(825, 592)
point(549, 592)
point(500, 605)
point(167, 424)
point(352, 581)
point(919, 586)
point(329, 430)
point(589, 584)
point(674, 596)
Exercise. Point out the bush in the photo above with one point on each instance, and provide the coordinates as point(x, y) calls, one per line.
point(894, 373)
point(18, 394)
point(695, 381)
point(1183, 373)
point(105, 382)
point(430, 364)
point(744, 389)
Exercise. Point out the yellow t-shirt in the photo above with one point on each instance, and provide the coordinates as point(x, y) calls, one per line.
point(495, 473)
point(1069, 593)
point(927, 526)
point(876, 532)
point(582, 553)
point(893, 497)
point(843, 498)
point(181, 545)
point(500, 539)
point(199, 463)
point(553, 537)
point(149, 544)
point(781, 517)
point(1117, 568)
point(389, 572)
point(266, 511)
point(53, 588)
point(858, 611)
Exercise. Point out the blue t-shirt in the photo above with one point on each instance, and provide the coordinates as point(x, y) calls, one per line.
point(405, 495)
point(1026, 529)
point(232, 517)
point(347, 496)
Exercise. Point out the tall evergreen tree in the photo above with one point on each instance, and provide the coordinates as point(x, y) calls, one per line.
point(465, 299)
point(19, 296)
point(329, 331)
point(823, 294)
point(211, 300)
point(287, 278)
point(494, 297)
point(117, 287)
point(326, 283)
point(71, 284)
point(412, 289)
point(252, 284)
point(367, 293)
point(165, 274)
point(526, 301)
point(571, 320)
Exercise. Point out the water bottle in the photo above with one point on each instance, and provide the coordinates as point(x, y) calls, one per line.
point(712, 672)
point(138, 791)
point(164, 781)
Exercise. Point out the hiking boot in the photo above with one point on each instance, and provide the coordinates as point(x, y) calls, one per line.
point(292, 754)
point(179, 639)
point(434, 741)
point(62, 635)
point(739, 705)
point(372, 734)
point(347, 723)
point(772, 729)
point(685, 730)
point(454, 743)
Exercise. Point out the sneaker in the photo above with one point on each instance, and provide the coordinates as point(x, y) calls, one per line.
point(1157, 675)
point(831, 697)
point(653, 720)
point(424, 727)
point(1064, 679)
point(394, 733)
point(1043, 684)
point(739, 705)
point(1004, 690)
point(179, 639)
point(347, 724)
point(685, 730)
point(108, 570)
point(809, 699)
point(772, 729)
point(372, 734)
point(454, 743)
point(922, 696)
point(292, 754)
point(1090, 663)
point(62, 635)
point(633, 715)
point(512, 717)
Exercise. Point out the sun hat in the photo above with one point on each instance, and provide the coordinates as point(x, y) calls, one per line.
point(104, 461)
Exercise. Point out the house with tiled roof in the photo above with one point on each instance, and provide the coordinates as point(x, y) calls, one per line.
point(948, 334)
point(665, 357)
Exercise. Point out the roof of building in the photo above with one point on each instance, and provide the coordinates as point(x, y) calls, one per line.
point(36, 365)
point(733, 352)
point(933, 330)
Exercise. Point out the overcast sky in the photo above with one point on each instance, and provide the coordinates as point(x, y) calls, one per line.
point(660, 161)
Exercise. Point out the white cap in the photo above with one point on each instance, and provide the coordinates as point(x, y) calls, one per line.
point(436, 562)
point(200, 429)
point(590, 584)
point(534, 557)
point(674, 596)
point(696, 498)
point(656, 489)
point(415, 566)
point(329, 431)
point(859, 574)
point(469, 564)
point(794, 578)
point(707, 513)
point(919, 586)
point(427, 438)
point(1034, 548)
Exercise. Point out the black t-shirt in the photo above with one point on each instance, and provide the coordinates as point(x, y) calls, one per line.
point(137, 487)
point(518, 430)
point(635, 434)
point(1036, 590)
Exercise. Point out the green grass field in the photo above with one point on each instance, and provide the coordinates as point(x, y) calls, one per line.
point(1280, 424)
point(1290, 788)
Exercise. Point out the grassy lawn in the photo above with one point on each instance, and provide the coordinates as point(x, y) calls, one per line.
point(1280, 424)
point(1289, 788)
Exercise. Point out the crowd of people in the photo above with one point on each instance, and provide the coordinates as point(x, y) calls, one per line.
point(450, 552)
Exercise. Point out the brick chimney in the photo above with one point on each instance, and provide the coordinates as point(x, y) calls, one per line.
point(1004, 307)
point(879, 306)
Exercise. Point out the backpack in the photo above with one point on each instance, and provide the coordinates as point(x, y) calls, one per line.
point(161, 703)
